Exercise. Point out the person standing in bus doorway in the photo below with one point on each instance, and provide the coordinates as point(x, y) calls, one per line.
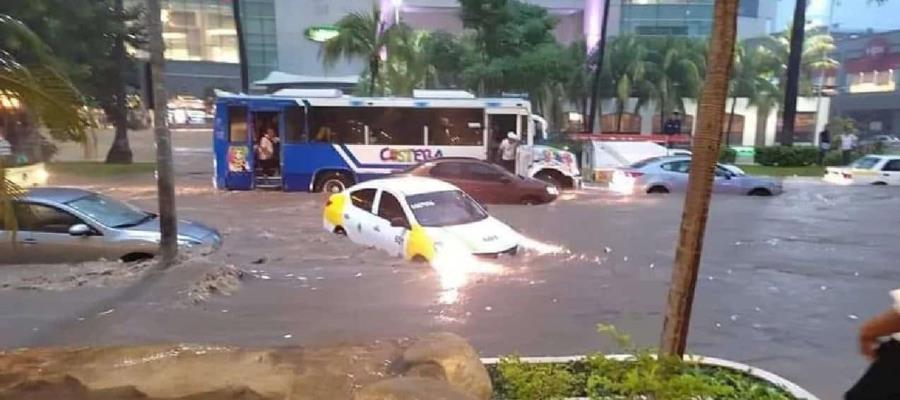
point(507, 151)
point(265, 152)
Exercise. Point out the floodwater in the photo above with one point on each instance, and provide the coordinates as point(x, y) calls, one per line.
point(785, 281)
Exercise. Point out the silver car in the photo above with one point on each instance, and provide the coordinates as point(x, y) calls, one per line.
point(670, 174)
point(71, 225)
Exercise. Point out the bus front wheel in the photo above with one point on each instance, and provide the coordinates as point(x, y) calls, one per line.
point(333, 182)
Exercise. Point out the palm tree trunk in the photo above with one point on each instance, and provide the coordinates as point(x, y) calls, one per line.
point(762, 117)
point(793, 74)
point(595, 89)
point(165, 181)
point(373, 72)
point(730, 122)
point(120, 151)
point(662, 113)
point(696, 203)
point(619, 113)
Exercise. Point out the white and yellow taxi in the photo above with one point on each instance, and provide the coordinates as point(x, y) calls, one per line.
point(418, 219)
point(869, 170)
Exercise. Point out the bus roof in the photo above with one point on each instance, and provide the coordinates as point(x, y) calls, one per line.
point(412, 102)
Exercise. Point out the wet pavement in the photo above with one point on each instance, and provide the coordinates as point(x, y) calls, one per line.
point(785, 281)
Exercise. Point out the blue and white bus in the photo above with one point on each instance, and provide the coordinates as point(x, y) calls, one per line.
point(328, 141)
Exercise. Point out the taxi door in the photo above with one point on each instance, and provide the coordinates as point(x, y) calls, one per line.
point(359, 220)
point(387, 236)
point(891, 172)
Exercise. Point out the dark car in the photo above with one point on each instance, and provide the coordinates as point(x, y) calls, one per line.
point(486, 182)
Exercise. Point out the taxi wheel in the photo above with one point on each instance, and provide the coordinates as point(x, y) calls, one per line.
point(334, 182)
point(340, 231)
point(419, 259)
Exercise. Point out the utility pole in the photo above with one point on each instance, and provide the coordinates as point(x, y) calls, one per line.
point(821, 91)
point(793, 74)
point(710, 118)
point(242, 47)
point(595, 87)
point(165, 174)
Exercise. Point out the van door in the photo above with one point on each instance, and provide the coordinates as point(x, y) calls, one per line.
point(891, 172)
point(239, 153)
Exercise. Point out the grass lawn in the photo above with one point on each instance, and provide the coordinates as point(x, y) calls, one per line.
point(809, 170)
point(95, 169)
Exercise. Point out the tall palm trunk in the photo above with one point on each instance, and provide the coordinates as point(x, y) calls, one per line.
point(619, 113)
point(595, 88)
point(762, 118)
point(373, 72)
point(730, 122)
point(165, 180)
point(696, 203)
point(793, 74)
point(120, 151)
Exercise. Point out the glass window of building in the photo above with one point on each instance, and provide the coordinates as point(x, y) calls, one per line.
point(199, 30)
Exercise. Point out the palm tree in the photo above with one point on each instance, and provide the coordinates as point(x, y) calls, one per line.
point(45, 93)
point(120, 151)
point(407, 66)
point(624, 72)
point(752, 76)
point(711, 109)
point(818, 45)
point(360, 35)
point(675, 66)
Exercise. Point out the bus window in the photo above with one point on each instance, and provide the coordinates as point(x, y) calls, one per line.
point(293, 125)
point(456, 127)
point(395, 125)
point(237, 124)
point(336, 125)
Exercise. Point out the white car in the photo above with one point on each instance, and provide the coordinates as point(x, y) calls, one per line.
point(869, 170)
point(418, 219)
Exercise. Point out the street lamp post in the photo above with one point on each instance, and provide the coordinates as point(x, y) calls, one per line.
point(396, 5)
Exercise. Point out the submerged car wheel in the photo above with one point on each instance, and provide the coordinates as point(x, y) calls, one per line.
point(879, 183)
point(530, 201)
point(760, 192)
point(553, 178)
point(334, 182)
point(340, 231)
point(658, 190)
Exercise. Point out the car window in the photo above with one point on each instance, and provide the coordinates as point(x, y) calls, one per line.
point(389, 207)
point(677, 166)
point(40, 218)
point(447, 170)
point(865, 163)
point(452, 207)
point(893, 165)
point(363, 199)
point(482, 172)
point(645, 162)
point(722, 172)
point(109, 212)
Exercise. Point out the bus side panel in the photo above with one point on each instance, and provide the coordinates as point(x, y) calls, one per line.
point(302, 161)
point(220, 145)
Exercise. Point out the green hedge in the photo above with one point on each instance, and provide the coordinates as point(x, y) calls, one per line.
point(785, 156)
point(727, 155)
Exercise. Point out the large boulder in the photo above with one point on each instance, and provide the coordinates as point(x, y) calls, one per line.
point(408, 388)
point(460, 362)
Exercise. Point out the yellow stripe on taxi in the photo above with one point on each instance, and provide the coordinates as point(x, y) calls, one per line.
point(334, 210)
point(418, 244)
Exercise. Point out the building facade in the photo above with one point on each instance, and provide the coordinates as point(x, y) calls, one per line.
point(867, 81)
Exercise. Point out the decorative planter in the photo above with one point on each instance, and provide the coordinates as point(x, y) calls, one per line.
point(790, 387)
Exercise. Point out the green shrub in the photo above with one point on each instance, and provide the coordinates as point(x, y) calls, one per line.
point(785, 156)
point(642, 377)
point(727, 155)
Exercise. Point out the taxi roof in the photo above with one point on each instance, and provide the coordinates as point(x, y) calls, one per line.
point(407, 185)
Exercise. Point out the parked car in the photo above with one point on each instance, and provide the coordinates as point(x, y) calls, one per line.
point(418, 219)
point(670, 174)
point(486, 182)
point(887, 140)
point(872, 169)
point(72, 225)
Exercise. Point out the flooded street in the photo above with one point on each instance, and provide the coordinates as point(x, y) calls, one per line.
point(785, 281)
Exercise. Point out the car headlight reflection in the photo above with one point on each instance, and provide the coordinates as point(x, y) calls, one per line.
point(553, 190)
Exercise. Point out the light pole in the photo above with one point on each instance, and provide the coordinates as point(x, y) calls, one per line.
point(822, 76)
point(396, 5)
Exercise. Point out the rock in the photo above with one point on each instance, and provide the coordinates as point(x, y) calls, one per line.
point(411, 389)
point(461, 365)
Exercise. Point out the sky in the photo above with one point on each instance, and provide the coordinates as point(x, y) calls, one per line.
point(850, 14)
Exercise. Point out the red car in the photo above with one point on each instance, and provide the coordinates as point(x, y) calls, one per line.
point(486, 182)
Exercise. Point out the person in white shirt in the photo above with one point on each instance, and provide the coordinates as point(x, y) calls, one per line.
point(265, 152)
point(507, 151)
point(878, 341)
point(5, 149)
point(848, 143)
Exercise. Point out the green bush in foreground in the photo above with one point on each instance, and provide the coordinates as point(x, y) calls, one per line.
point(642, 377)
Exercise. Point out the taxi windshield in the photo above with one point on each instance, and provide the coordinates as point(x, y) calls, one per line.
point(445, 208)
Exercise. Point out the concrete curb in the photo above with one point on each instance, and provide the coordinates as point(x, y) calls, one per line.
point(792, 388)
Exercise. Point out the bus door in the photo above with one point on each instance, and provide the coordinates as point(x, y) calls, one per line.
point(238, 149)
point(265, 121)
point(499, 123)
